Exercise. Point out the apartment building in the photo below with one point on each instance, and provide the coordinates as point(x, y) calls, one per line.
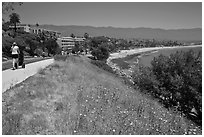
point(22, 27)
point(47, 32)
point(67, 43)
point(36, 30)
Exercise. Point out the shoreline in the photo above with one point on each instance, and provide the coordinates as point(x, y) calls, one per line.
point(124, 53)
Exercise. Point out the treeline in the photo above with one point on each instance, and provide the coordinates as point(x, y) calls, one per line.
point(114, 44)
point(100, 47)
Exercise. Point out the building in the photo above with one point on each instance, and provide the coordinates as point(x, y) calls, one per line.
point(79, 39)
point(67, 43)
point(36, 30)
point(48, 33)
point(22, 27)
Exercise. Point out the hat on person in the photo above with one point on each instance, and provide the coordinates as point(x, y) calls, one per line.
point(14, 43)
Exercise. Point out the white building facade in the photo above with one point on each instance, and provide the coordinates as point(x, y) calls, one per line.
point(36, 30)
point(67, 43)
point(23, 27)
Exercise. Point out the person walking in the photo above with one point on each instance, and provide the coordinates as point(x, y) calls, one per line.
point(15, 53)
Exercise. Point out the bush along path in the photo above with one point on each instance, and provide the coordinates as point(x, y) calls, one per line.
point(74, 97)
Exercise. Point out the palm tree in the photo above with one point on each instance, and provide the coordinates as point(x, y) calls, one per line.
point(14, 19)
point(7, 7)
point(37, 25)
point(86, 36)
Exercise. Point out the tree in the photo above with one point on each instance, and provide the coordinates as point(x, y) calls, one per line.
point(42, 38)
point(86, 35)
point(7, 7)
point(100, 53)
point(96, 41)
point(6, 45)
point(86, 45)
point(14, 19)
point(51, 46)
point(72, 35)
point(5, 26)
point(37, 25)
point(32, 45)
point(31, 42)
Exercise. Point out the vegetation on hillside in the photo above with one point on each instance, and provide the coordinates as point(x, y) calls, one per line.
point(32, 44)
point(76, 97)
point(114, 45)
point(100, 53)
point(176, 80)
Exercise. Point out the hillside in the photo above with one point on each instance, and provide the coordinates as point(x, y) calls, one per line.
point(194, 34)
point(76, 97)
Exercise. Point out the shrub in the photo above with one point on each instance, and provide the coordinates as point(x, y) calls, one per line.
point(100, 53)
point(60, 57)
point(176, 80)
point(6, 45)
point(38, 52)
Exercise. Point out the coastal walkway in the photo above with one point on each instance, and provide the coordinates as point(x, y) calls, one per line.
point(12, 77)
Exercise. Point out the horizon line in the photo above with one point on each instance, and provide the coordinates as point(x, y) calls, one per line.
point(123, 27)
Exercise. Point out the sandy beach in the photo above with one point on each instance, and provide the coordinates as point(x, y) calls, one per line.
point(124, 53)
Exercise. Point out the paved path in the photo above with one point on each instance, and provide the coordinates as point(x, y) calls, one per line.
point(12, 77)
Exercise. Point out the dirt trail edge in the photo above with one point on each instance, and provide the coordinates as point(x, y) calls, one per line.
point(12, 77)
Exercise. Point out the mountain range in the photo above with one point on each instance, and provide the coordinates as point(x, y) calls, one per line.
point(194, 34)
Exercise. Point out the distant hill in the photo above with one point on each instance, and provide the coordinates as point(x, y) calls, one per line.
point(194, 34)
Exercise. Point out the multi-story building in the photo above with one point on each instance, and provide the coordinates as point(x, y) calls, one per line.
point(47, 32)
point(67, 43)
point(23, 27)
point(36, 30)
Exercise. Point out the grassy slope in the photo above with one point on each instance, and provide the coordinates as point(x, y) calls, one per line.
point(76, 97)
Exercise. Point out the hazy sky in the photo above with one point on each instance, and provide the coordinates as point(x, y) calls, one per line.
point(154, 15)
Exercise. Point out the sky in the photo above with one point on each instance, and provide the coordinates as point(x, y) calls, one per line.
point(121, 14)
